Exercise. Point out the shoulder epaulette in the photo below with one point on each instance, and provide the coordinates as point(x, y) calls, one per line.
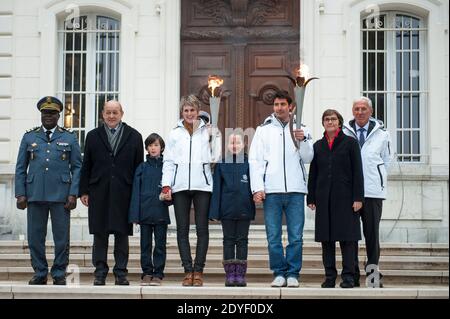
point(37, 128)
point(63, 129)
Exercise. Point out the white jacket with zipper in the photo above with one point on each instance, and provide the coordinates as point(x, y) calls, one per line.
point(276, 164)
point(187, 159)
point(376, 156)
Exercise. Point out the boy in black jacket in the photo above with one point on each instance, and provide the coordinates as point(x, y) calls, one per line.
point(151, 211)
point(232, 204)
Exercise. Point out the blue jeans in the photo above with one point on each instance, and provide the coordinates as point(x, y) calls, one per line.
point(293, 206)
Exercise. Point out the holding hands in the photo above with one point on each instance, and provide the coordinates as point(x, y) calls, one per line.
point(259, 197)
point(166, 194)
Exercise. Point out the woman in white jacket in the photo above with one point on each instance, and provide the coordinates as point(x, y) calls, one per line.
point(187, 177)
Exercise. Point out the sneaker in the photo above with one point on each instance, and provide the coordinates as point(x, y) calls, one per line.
point(156, 281)
point(146, 280)
point(279, 281)
point(292, 282)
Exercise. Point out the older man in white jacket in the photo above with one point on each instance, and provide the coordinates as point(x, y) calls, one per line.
point(278, 177)
point(376, 156)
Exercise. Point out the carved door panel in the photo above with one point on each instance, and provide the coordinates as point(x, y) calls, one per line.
point(268, 66)
point(202, 60)
point(251, 44)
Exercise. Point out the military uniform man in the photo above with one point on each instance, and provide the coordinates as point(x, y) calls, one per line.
point(47, 178)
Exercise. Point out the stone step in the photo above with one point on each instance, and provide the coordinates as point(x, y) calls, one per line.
point(255, 261)
point(255, 247)
point(254, 275)
point(214, 291)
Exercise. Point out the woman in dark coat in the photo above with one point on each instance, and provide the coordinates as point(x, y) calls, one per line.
point(336, 193)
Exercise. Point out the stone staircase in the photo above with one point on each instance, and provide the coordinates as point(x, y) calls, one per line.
point(410, 271)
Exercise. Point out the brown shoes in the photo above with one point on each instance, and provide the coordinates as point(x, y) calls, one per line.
point(193, 279)
point(188, 279)
point(198, 279)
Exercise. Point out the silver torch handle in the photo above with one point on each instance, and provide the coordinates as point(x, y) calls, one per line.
point(299, 99)
point(214, 105)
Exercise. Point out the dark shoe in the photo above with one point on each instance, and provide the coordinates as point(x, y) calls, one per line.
point(346, 284)
point(59, 281)
point(99, 281)
point(122, 281)
point(328, 284)
point(36, 280)
point(356, 280)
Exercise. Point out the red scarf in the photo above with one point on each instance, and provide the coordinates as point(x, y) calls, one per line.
point(331, 140)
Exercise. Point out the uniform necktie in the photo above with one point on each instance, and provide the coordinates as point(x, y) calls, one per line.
point(362, 140)
point(48, 135)
point(113, 130)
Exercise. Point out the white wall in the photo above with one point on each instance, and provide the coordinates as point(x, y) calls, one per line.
point(150, 67)
point(417, 203)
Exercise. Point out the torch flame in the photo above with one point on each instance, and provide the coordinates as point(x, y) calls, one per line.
point(214, 82)
point(303, 71)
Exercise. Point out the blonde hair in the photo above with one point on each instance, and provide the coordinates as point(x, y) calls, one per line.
point(190, 100)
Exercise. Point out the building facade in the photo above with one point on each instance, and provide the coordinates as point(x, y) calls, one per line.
point(147, 53)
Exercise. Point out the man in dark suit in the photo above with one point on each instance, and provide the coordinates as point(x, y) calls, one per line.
point(112, 153)
point(46, 180)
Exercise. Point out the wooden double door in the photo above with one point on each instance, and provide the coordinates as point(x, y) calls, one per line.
point(252, 44)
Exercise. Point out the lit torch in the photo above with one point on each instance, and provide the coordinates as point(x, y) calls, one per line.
point(300, 83)
point(214, 101)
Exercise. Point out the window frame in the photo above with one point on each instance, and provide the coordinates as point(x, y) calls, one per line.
point(390, 89)
point(91, 92)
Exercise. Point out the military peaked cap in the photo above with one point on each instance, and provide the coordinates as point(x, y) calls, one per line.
point(50, 103)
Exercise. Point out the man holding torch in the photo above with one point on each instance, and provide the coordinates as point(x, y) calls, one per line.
point(278, 178)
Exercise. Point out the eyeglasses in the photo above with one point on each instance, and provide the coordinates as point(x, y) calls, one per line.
point(332, 119)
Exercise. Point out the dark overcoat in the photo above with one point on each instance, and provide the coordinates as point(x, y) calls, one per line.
point(335, 182)
point(108, 179)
